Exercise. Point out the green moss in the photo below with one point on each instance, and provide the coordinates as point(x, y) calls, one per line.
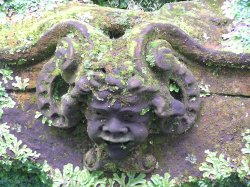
point(29, 31)
point(144, 111)
point(150, 59)
point(33, 99)
point(56, 72)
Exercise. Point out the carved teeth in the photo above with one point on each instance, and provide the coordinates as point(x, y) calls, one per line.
point(115, 140)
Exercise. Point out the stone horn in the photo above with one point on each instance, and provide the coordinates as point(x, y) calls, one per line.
point(58, 76)
point(177, 111)
point(167, 44)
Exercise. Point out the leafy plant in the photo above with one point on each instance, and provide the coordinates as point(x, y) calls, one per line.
point(17, 9)
point(150, 59)
point(6, 74)
point(144, 111)
point(147, 5)
point(238, 39)
point(246, 137)
point(17, 167)
point(21, 84)
point(244, 169)
point(45, 120)
point(191, 158)
point(173, 87)
point(71, 177)
point(159, 181)
point(132, 179)
point(215, 167)
point(5, 100)
point(205, 92)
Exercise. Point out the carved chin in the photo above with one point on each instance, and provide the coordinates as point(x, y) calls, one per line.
point(117, 151)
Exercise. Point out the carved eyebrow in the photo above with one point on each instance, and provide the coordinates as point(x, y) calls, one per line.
point(134, 110)
point(97, 106)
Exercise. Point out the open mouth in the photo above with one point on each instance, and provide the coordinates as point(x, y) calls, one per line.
point(118, 145)
point(118, 150)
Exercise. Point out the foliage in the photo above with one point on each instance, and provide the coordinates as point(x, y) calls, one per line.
point(45, 120)
point(19, 8)
point(144, 111)
point(6, 74)
point(132, 180)
point(16, 165)
point(71, 177)
point(246, 137)
point(159, 181)
point(204, 90)
point(5, 100)
point(173, 87)
point(221, 170)
point(244, 169)
point(191, 158)
point(216, 167)
point(147, 5)
point(20, 83)
point(238, 39)
point(150, 59)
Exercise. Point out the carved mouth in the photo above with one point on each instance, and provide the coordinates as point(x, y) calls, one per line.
point(118, 145)
point(118, 150)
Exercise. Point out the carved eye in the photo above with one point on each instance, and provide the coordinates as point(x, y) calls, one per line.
point(101, 114)
point(128, 117)
point(98, 113)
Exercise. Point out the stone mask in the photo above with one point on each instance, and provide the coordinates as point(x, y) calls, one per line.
point(126, 88)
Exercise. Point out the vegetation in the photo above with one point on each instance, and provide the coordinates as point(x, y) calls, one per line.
point(5, 100)
point(147, 5)
point(21, 84)
point(238, 39)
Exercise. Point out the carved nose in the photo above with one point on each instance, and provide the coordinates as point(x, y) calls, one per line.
point(115, 127)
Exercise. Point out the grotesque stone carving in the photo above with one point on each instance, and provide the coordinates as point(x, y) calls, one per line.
point(124, 88)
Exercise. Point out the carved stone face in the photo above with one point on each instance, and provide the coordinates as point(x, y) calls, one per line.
point(119, 128)
point(112, 83)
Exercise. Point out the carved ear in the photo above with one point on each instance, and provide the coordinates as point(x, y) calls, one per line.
point(177, 102)
point(56, 82)
point(178, 106)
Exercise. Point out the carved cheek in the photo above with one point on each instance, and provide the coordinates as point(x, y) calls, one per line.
point(93, 129)
point(139, 132)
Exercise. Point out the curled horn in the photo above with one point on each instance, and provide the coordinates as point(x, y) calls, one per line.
point(56, 89)
point(46, 45)
point(186, 46)
point(177, 111)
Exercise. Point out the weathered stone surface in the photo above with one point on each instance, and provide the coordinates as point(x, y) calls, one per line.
point(222, 119)
point(221, 123)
